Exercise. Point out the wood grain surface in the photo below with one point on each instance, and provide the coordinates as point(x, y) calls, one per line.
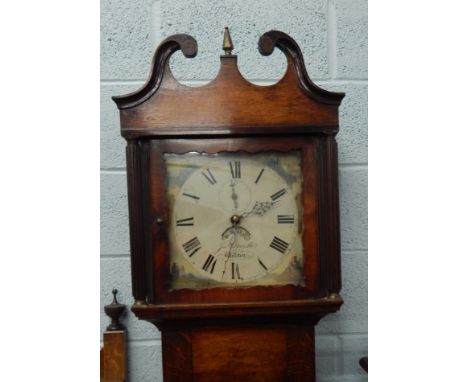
point(261, 333)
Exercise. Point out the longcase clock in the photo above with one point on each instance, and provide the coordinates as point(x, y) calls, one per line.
point(234, 223)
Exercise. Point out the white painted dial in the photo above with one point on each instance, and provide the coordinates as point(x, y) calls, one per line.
point(235, 220)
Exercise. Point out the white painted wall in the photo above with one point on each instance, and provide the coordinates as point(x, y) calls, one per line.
point(333, 37)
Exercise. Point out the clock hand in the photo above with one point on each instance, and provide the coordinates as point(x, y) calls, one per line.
point(220, 248)
point(259, 209)
point(234, 196)
point(232, 240)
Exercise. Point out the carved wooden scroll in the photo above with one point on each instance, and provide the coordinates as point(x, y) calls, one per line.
point(229, 104)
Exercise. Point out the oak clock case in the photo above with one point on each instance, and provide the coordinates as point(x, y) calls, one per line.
point(233, 216)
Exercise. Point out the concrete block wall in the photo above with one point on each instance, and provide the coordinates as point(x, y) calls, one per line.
point(333, 37)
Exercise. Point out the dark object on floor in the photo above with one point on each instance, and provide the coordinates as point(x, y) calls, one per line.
point(363, 363)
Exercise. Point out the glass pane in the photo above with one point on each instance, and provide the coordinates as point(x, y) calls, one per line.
point(235, 219)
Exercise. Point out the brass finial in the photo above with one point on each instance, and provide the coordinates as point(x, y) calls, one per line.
point(227, 42)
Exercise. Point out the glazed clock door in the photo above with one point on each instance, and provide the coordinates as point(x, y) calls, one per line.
point(235, 219)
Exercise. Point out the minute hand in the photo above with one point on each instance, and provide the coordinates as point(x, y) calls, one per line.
point(259, 209)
